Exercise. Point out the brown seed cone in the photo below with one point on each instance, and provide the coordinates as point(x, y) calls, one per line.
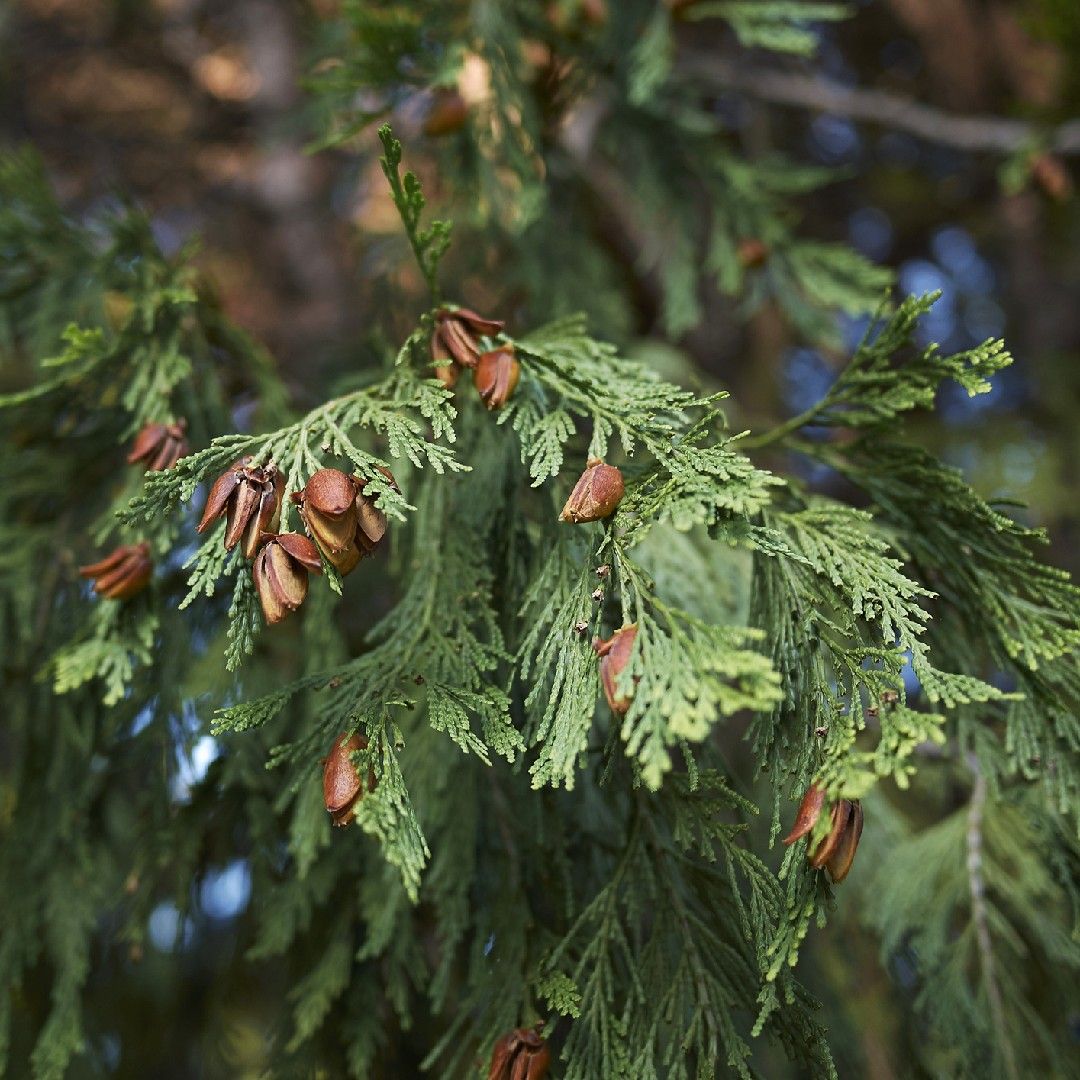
point(330, 492)
point(614, 656)
point(250, 498)
point(124, 572)
point(459, 343)
point(280, 572)
point(843, 856)
point(809, 811)
point(159, 446)
point(841, 814)
point(264, 520)
point(146, 442)
point(497, 374)
point(221, 493)
point(342, 788)
point(521, 1054)
point(328, 507)
point(448, 374)
point(597, 493)
point(371, 522)
point(445, 369)
point(837, 851)
point(447, 114)
point(343, 521)
point(459, 330)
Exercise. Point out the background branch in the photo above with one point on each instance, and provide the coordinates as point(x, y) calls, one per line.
point(972, 133)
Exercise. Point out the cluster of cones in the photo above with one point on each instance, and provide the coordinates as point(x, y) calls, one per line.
point(343, 524)
point(465, 341)
point(127, 569)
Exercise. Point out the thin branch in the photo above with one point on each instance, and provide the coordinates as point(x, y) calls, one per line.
point(977, 888)
point(972, 133)
point(775, 434)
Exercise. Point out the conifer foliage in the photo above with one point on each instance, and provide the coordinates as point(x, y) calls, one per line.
point(544, 863)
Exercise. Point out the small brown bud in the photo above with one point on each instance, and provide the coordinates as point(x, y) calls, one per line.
point(603, 571)
point(837, 851)
point(889, 697)
point(250, 498)
point(597, 493)
point(122, 573)
point(159, 446)
point(281, 573)
point(581, 628)
point(614, 655)
point(752, 253)
point(597, 594)
point(459, 331)
point(1051, 175)
point(821, 732)
point(521, 1054)
point(447, 114)
point(342, 788)
point(497, 374)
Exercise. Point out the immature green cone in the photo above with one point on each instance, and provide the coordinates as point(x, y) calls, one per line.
point(496, 377)
point(836, 852)
point(122, 573)
point(250, 498)
point(342, 788)
point(520, 1055)
point(614, 656)
point(597, 493)
point(159, 446)
point(281, 573)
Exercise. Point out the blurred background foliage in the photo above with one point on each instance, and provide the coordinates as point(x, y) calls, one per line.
point(199, 111)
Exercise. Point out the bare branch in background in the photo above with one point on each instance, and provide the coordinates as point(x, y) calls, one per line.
point(971, 133)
